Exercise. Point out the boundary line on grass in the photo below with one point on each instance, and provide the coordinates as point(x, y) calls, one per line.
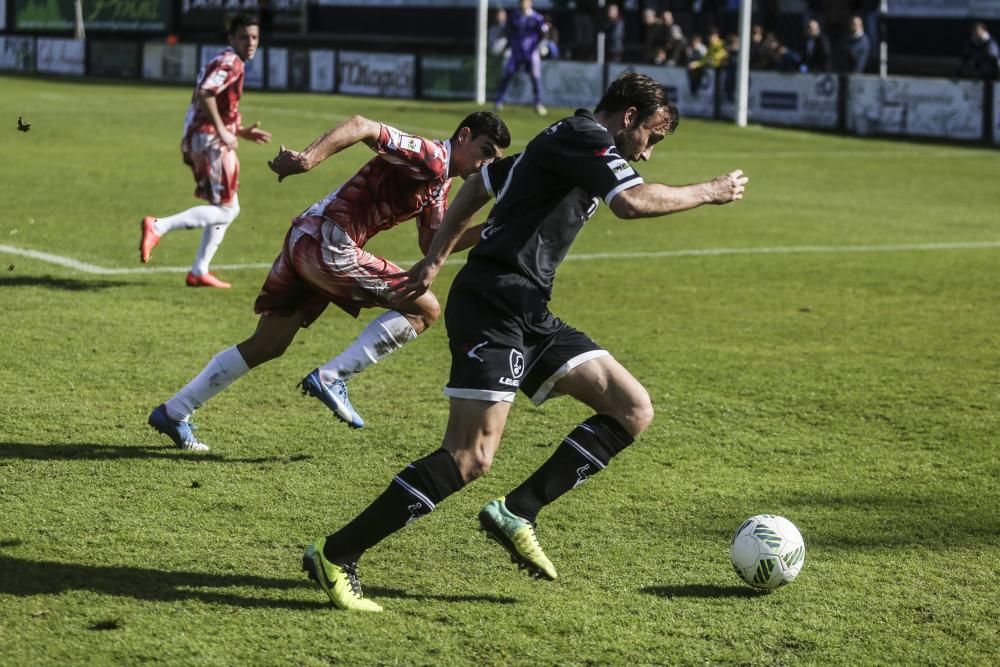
point(85, 267)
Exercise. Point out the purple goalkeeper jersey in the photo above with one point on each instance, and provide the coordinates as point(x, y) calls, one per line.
point(524, 32)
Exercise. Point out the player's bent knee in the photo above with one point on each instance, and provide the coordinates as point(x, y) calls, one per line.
point(430, 309)
point(638, 415)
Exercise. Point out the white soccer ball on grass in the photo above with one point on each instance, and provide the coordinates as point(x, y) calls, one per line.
point(767, 551)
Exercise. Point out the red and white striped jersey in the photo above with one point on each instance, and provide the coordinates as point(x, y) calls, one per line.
point(223, 76)
point(407, 179)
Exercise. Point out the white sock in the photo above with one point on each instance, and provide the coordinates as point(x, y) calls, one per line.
point(212, 237)
point(225, 368)
point(384, 335)
point(194, 217)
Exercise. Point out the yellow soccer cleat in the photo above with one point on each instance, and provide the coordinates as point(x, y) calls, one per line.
point(340, 582)
point(518, 537)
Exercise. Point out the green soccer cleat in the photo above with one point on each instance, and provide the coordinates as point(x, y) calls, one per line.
point(340, 583)
point(518, 537)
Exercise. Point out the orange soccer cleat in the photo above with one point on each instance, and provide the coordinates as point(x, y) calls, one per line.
point(148, 240)
point(205, 280)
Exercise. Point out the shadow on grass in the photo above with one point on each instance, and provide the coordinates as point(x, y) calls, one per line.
point(878, 519)
point(93, 452)
point(22, 577)
point(67, 284)
point(395, 593)
point(703, 591)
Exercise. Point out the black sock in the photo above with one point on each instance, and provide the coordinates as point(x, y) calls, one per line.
point(583, 453)
point(414, 492)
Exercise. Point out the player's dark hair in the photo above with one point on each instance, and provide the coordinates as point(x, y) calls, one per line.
point(241, 21)
point(632, 89)
point(488, 123)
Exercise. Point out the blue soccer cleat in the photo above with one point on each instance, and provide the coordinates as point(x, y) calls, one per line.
point(180, 431)
point(333, 396)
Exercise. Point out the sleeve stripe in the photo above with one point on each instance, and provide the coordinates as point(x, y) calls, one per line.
point(485, 171)
point(624, 186)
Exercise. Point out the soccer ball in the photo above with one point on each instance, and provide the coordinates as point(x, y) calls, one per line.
point(767, 551)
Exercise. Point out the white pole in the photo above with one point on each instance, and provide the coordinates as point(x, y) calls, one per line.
point(79, 33)
point(481, 30)
point(883, 45)
point(600, 48)
point(743, 70)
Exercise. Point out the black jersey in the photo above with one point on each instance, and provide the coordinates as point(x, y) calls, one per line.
point(543, 197)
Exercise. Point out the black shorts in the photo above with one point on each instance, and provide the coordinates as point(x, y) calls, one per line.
point(504, 339)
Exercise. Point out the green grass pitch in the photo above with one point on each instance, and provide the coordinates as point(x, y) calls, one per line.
point(827, 350)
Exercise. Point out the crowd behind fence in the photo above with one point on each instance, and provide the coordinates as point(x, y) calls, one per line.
point(860, 104)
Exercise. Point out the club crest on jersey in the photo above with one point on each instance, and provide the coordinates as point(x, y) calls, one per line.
point(621, 169)
point(516, 369)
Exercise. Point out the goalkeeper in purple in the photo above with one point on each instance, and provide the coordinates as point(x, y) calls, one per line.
point(525, 31)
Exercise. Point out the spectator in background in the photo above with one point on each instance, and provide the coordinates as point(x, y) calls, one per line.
point(760, 55)
point(783, 59)
point(695, 51)
point(660, 57)
point(549, 48)
point(714, 56)
point(496, 34)
point(856, 49)
point(614, 28)
point(525, 31)
point(654, 35)
point(715, 51)
point(981, 58)
point(728, 71)
point(816, 56)
point(676, 46)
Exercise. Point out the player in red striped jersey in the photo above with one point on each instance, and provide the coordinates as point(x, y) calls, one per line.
point(211, 128)
point(322, 259)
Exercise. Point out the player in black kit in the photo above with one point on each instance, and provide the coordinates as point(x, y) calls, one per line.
point(503, 337)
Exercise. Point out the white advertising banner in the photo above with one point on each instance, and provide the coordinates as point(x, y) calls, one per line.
point(61, 56)
point(565, 84)
point(277, 68)
point(693, 97)
point(381, 74)
point(970, 9)
point(163, 62)
point(996, 114)
point(17, 53)
point(538, 5)
point(802, 100)
point(321, 68)
point(915, 107)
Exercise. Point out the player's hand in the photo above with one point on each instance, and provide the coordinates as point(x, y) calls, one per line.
point(228, 139)
point(729, 187)
point(288, 163)
point(415, 282)
point(256, 134)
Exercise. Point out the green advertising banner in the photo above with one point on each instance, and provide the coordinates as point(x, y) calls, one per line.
point(130, 15)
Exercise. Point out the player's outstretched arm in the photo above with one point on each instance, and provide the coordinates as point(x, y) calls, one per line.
point(255, 134)
point(351, 131)
point(649, 200)
point(451, 234)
